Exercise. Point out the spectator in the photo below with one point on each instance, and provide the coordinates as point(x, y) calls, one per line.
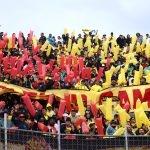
point(42, 39)
point(111, 129)
point(21, 123)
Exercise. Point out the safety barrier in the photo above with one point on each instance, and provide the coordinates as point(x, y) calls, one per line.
point(11, 138)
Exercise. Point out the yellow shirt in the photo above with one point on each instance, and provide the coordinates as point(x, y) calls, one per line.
point(96, 88)
point(80, 86)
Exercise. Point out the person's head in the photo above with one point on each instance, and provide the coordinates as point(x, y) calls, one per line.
point(132, 120)
point(141, 131)
point(92, 125)
point(73, 113)
point(143, 81)
point(88, 115)
point(68, 121)
point(21, 117)
point(42, 34)
point(79, 35)
point(88, 108)
point(129, 128)
point(138, 34)
point(21, 106)
point(41, 120)
point(82, 82)
point(52, 121)
point(43, 111)
point(49, 107)
point(128, 35)
point(113, 82)
point(104, 36)
point(112, 34)
point(147, 35)
point(113, 123)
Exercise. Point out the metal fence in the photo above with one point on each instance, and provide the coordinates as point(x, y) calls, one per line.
point(15, 139)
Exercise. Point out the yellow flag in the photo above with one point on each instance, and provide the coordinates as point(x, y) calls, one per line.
point(80, 105)
point(80, 43)
point(120, 131)
point(34, 39)
point(65, 31)
point(10, 43)
point(109, 109)
point(48, 50)
point(137, 118)
point(69, 45)
point(44, 46)
point(136, 78)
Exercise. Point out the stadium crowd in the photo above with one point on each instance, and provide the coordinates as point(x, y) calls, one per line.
point(86, 62)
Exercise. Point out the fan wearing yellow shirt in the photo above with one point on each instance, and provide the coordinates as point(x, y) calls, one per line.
point(49, 111)
point(96, 87)
point(82, 85)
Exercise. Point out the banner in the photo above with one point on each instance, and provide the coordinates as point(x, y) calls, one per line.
point(125, 94)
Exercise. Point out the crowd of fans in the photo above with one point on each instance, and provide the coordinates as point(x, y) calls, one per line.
point(122, 56)
point(128, 54)
point(20, 118)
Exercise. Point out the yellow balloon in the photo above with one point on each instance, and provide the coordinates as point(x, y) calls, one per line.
point(136, 78)
point(109, 109)
point(80, 105)
point(120, 131)
point(137, 118)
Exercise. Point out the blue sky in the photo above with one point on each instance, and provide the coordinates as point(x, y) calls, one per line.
point(51, 16)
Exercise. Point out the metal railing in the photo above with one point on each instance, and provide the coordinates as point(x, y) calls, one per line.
point(35, 140)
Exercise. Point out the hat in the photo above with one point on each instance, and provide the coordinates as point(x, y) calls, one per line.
point(48, 105)
point(91, 123)
point(21, 115)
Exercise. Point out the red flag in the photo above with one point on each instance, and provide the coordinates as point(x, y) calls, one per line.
point(37, 58)
point(30, 37)
point(2, 104)
point(5, 62)
point(75, 70)
point(26, 70)
point(20, 40)
point(42, 127)
point(51, 99)
point(50, 65)
point(61, 108)
point(93, 108)
point(108, 62)
point(13, 60)
point(13, 40)
point(69, 60)
point(99, 125)
point(56, 77)
point(38, 105)
point(1, 56)
point(85, 129)
point(67, 69)
point(36, 49)
point(100, 73)
point(27, 101)
point(81, 63)
point(68, 102)
point(56, 70)
point(62, 62)
point(14, 72)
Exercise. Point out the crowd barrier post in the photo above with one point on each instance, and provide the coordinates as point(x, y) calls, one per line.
point(5, 131)
point(126, 138)
point(59, 142)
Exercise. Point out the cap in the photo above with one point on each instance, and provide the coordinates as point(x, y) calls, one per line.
point(48, 105)
point(21, 115)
